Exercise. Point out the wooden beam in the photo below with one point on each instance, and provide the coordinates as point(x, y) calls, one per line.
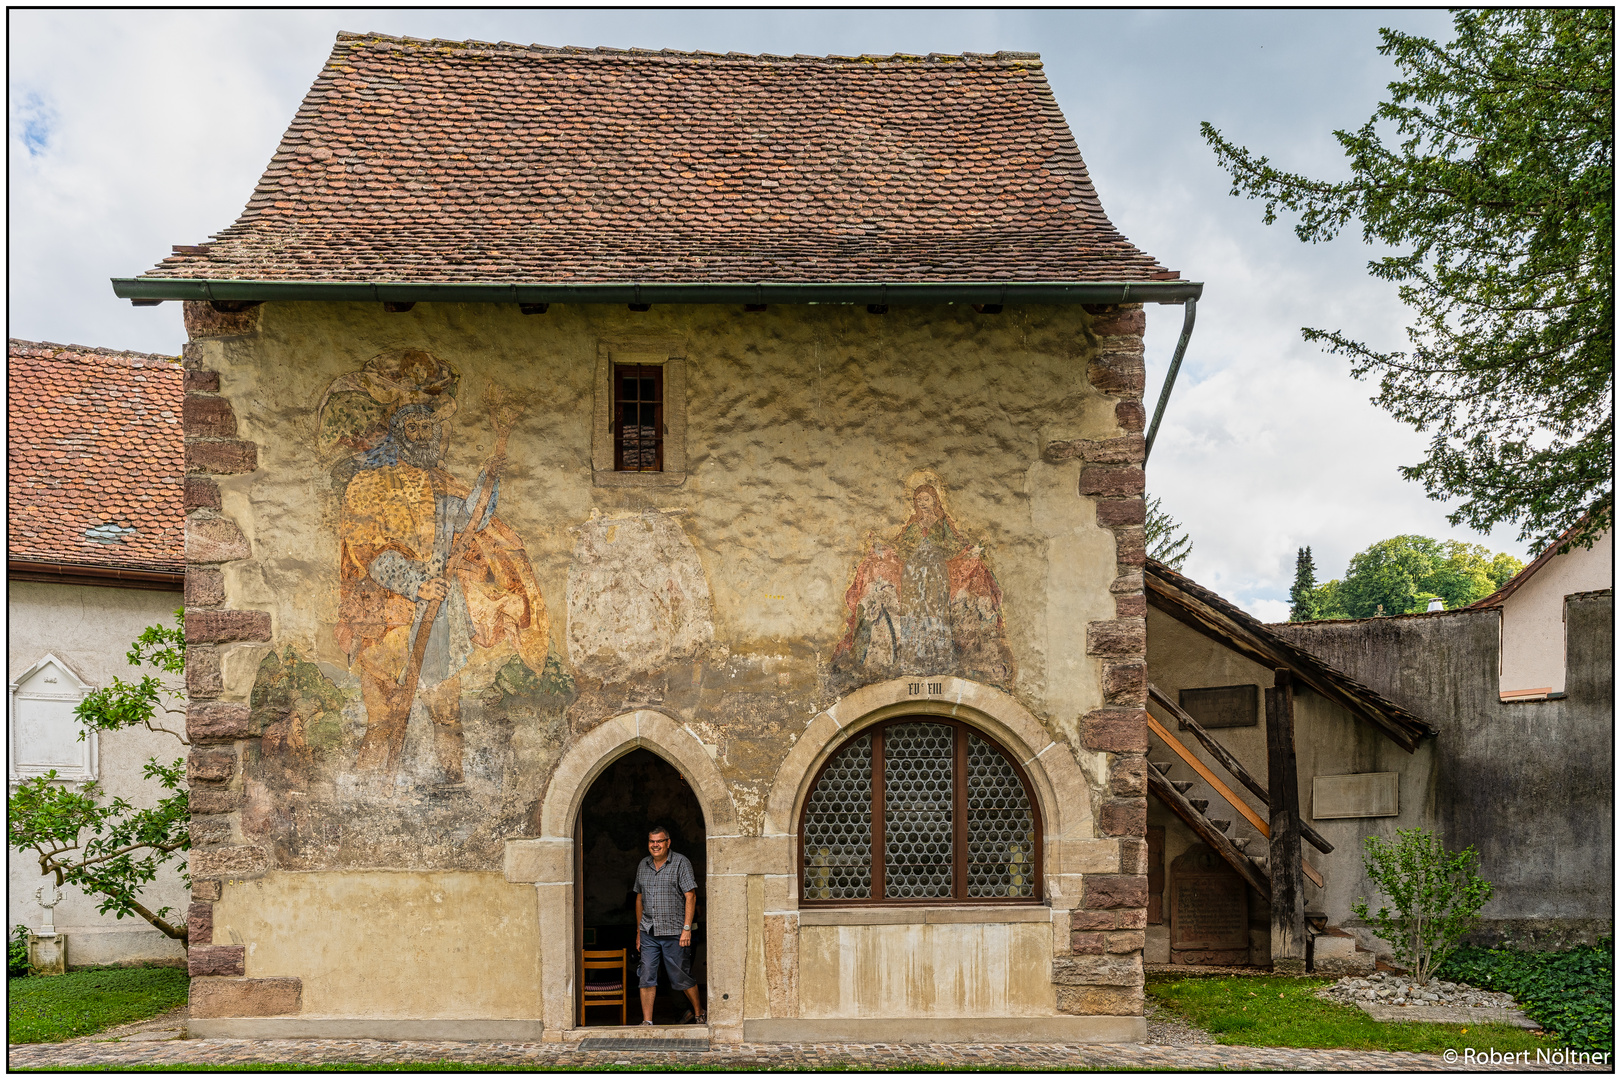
point(1288, 895)
point(1233, 765)
point(1223, 790)
point(1207, 832)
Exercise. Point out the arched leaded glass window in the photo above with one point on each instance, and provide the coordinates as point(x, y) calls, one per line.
point(920, 810)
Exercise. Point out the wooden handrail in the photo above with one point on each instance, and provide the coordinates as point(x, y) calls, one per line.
point(1231, 763)
point(1207, 832)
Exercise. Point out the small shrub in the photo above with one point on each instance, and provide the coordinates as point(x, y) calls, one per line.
point(1437, 893)
point(17, 952)
point(1570, 992)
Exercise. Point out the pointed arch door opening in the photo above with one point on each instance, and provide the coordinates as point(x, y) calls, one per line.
point(630, 797)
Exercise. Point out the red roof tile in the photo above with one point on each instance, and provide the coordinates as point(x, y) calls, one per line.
point(457, 162)
point(95, 457)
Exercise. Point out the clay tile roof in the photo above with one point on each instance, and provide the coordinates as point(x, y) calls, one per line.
point(443, 162)
point(95, 457)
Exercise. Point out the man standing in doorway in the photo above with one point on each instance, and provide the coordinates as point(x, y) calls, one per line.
point(666, 902)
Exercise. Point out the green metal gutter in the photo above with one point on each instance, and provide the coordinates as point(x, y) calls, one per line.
point(954, 292)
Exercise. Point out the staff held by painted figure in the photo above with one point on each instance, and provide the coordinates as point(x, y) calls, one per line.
point(429, 574)
point(666, 905)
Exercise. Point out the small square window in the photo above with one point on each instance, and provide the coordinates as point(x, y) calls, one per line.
point(638, 418)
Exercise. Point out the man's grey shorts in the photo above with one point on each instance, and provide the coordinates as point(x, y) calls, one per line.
point(677, 962)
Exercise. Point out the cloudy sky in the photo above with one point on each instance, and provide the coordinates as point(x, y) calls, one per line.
point(130, 131)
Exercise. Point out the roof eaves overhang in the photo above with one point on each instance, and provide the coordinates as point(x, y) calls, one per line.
point(878, 292)
point(1210, 615)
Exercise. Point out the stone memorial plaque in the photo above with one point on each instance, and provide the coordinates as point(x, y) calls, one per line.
point(1354, 795)
point(1209, 910)
point(1222, 706)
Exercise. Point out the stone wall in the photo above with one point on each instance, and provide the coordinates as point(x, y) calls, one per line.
point(827, 452)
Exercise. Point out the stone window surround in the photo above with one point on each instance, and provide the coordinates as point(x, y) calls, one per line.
point(943, 913)
point(89, 768)
point(648, 352)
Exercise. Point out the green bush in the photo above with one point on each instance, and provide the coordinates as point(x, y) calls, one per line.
point(1571, 992)
point(17, 952)
point(1436, 892)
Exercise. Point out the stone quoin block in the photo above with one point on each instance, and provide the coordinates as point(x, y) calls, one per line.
point(202, 321)
point(215, 960)
point(1131, 607)
point(201, 494)
point(1097, 971)
point(214, 801)
point(219, 721)
point(1130, 415)
point(1132, 918)
point(1110, 481)
point(202, 382)
point(206, 890)
point(1118, 371)
point(207, 831)
point(1128, 775)
point(1102, 891)
point(1123, 817)
point(1120, 321)
point(220, 627)
point(1117, 637)
point(1113, 513)
point(1082, 920)
point(1130, 545)
point(200, 921)
point(210, 766)
point(205, 586)
point(1124, 683)
point(1087, 944)
point(1124, 450)
point(215, 540)
point(1125, 731)
point(221, 457)
point(235, 861)
point(203, 678)
point(1125, 941)
point(213, 997)
point(208, 417)
point(1100, 1000)
point(1130, 582)
point(1133, 856)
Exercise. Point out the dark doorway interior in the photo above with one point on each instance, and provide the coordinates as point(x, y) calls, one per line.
point(636, 792)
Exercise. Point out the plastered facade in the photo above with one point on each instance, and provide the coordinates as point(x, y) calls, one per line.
point(1534, 617)
point(932, 511)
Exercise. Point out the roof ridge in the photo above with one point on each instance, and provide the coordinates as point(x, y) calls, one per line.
point(52, 347)
point(606, 51)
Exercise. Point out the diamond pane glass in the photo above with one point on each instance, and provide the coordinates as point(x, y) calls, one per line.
point(917, 810)
point(838, 827)
point(1001, 828)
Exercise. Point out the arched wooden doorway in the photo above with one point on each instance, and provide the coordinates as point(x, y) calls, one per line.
point(630, 796)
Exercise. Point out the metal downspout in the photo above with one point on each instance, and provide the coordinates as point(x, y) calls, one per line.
point(1190, 308)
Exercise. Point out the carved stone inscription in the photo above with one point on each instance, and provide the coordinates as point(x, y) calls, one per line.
point(1209, 910)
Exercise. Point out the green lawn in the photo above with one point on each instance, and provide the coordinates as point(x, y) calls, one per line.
point(50, 1008)
point(1263, 1010)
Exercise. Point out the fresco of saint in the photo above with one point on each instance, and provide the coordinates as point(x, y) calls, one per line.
point(924, 601)
point(428, 573)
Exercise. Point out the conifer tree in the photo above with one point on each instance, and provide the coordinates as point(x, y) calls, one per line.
point(1303, 594)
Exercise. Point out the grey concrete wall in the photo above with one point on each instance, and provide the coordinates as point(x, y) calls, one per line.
point(90, 629)
point(1530, 785)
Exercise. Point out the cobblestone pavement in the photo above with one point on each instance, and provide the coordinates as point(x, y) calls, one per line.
point(112, 1055)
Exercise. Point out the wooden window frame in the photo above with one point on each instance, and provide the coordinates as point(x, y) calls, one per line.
point(665, 353)
point(959, 823)
point(639, 372)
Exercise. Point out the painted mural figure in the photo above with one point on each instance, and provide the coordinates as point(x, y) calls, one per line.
point(925, 601)
point(428, 573)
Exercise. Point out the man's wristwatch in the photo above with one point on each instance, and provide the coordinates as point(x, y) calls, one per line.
point(685, 928)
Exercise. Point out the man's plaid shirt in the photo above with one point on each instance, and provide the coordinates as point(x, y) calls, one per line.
point(664, 894)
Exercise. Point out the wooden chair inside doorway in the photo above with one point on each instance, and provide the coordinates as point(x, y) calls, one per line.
point(599, 988)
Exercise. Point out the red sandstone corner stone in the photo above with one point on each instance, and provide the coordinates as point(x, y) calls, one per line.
point(1108, 481)
point(1115, 890)
point(1133, 918)
point(200, 922)
point(1113, 373)
point(1130, 415)
point(215, 540)
point(209, 831)
point(1133, 856)
point(221, 457)
point(1081, 919)
point(1097, 971)
point(1125, 450)
point(1086, 944)
point(205, 587)
point(1128, 320)
point(246, 997)
point(202, 382)
point(1123, 817)
point(1131, 607)
point(210, 766)
point(208, 417)
point(1125, 941)
point(219, 627)
point(1100, 1000)
point(206, 890)
point(1115, 512)
point(1117, 637)
point(203, 677)
point(218, 721)
point(1129, 775)
point(202, 321)
point(201, 494)
point(214, 801)
point(1125, 683)
point(1125, 731)
point(215, 960)
point(1130, 545)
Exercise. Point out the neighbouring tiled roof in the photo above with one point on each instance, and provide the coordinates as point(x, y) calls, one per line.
point(95, 457)
point(457, 162)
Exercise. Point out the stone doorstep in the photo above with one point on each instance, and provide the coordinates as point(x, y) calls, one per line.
point(1448, 1014)
point(696, 1032)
